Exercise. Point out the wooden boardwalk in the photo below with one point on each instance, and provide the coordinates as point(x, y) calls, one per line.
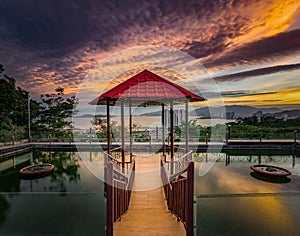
point(148, 213)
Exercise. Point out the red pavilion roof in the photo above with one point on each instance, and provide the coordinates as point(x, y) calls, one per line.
point(146, 86)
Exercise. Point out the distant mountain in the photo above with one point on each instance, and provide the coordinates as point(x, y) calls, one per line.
point(155, 113)
point(234, 111)
point(85, 116)
point(289, 113)
point(237, 111)
point(89, 116)
point(271, 110)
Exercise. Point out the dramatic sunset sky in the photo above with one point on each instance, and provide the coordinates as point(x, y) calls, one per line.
point(250, 48)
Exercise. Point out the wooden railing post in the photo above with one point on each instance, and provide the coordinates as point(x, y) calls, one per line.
point(118, 190)
point(109, 199)
point(190, 200)
point(179, 194)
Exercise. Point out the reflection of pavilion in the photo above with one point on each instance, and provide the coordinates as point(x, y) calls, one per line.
point(148, 89)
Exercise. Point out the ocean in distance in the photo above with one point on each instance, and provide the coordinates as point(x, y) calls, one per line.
point(145, 121)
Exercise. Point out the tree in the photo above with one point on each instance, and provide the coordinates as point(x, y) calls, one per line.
point(100, 125)
point(55, 109)
point(267, 127)
point(193, 129)
point(177, 133)
point(13, 108)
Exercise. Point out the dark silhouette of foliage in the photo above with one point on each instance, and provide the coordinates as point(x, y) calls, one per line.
point(13, 108)
point(49, 116)
point(53, 114)
point(267, 127)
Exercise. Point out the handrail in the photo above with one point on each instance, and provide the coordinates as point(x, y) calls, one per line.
point(165, 177)
point(179, 193)
point(118, 190)
point(119, 164)
point(116, 149)
point(183, 157)
point(112, 158)
point(120, 154)
point(131, 175)
point(179, 165)
point(179, 151)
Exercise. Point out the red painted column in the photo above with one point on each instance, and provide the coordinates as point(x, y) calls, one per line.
point(130, 129)
point(123, 135)
point(187, 126)
point(172, 134)
point(190, 200)
point(109, 200)
point(108, 125)
point(163, 129)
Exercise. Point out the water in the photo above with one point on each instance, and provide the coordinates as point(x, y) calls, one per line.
point(229, 200)
point(145, 121)
point(68, 202)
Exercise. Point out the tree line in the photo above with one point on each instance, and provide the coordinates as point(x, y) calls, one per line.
point(252, 127)
point(265, 127)
point(46, 116)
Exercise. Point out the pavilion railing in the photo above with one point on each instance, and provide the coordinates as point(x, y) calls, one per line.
point(179, 164)
point(119, 185)
point(179, 190)
point(115, 156)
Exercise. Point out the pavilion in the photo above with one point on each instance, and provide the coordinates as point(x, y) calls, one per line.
point(147, 89)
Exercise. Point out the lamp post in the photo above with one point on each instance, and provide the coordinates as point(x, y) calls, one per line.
point(228, 133)
point(90, 135)
point(28, 110)
point(13, 135)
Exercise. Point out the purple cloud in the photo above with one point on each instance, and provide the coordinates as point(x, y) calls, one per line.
point(57, 42)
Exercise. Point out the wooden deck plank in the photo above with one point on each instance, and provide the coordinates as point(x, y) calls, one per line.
point(147, 213)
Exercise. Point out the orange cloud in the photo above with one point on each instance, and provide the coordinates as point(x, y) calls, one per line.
point(280, 97)
point(267, 19)
point(204, 30)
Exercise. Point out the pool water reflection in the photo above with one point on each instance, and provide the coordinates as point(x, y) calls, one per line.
point(230, 201)
point(71, 201)
point(68, 202)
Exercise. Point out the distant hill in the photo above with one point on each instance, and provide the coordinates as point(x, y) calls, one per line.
point(155, 113)
point(85, 116)
point(290, 113)
point(234, 111)
point(90, 116)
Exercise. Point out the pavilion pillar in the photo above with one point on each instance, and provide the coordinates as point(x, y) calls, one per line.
point(163, 129)
point(172, 134)
point(130, 130)
point(186, 125)
point(108, 125)
point(122, 134)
